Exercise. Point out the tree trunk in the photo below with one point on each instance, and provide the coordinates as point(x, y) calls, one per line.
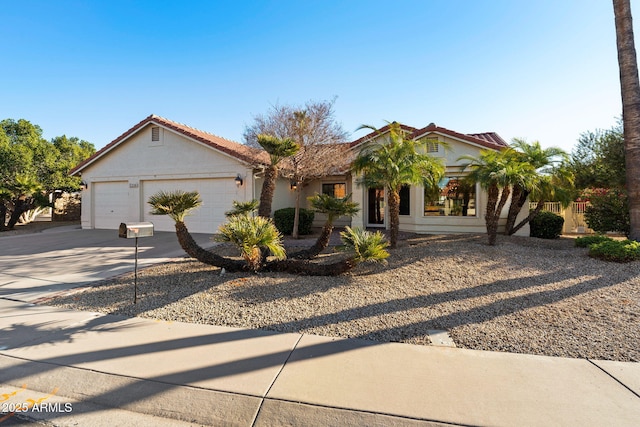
point(318, 246)
point(195, 251)
point(296, 216)
point(3, 215)
point(518, 199)
point(307, 268)
point(630, 90)
point(18, 208)
point(531, 215)
point(394, 217)
point(494, 208)
point(267, 192)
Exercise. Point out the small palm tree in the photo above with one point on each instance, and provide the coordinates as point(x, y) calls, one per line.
point(334, 208)
point(395, 163)
point(177, 205)
point(543, 161)
point(252, 235)
point(362, 245)
point(497, 172)
point(367, 246)
point(556, 185)
point(278, 149)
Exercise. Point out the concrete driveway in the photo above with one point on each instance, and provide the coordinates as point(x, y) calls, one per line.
point(34, 266)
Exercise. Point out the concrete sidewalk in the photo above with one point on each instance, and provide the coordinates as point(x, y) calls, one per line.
point(208, 375)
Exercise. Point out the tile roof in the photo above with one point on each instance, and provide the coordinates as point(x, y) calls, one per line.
point(385, 128)
point(235, 149)
point(488, 139)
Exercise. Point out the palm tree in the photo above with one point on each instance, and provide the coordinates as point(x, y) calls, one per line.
point(278, 149)
point(497, 172)
point(543, 161)
point(334, 208)
point(555, 186)
point(395, 163)
point(630, 90)
point(177, 205)
point(252, 235)
point(362, 246)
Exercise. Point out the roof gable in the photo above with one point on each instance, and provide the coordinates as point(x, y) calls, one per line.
point(376, 133)
point(241, 152)
point(487, 140)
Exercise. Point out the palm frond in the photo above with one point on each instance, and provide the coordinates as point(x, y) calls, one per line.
point(177, 204)
point(367, 246)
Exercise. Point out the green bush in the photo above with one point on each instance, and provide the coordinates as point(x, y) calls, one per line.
point(616, 250)
point(283, 219)
point(608, 211)
point(546, 225)
point(586, 241)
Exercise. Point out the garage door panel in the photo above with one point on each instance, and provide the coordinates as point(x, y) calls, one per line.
point(110, 204)
point(217, 195)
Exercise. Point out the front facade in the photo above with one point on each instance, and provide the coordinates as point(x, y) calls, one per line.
point(158, 154)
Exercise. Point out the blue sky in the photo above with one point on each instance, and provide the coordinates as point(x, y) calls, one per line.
point(543, 70)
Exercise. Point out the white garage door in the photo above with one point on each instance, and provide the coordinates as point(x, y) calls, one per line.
point(110, 204)
point(217, 195)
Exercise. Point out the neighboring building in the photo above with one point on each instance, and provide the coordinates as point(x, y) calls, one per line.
point(158, 154)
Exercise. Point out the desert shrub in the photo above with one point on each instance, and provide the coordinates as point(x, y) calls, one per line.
point(616, 250)
point(608, 211)
point(546, 225)
point(283, 219)
point(586, 241)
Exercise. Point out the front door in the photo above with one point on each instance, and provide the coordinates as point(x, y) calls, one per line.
point(375, 207)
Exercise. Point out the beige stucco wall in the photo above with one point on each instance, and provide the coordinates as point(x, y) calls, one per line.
point(176, 157)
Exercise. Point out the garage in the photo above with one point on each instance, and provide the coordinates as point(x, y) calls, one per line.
point(160, 155)
point(111, 204)
point(216, 194)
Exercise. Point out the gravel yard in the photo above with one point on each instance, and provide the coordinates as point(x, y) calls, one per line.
point(523, 295)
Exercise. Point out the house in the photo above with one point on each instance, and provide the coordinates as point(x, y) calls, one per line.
point(159, 154)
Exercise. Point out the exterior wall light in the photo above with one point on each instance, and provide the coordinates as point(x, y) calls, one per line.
point(238, 181)
point(84, 185)
point(294, 185)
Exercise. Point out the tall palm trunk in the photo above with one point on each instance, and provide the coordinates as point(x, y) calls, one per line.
point(495, 203)
point(268, 190)
point(531, 215)
point(518, 199)
point(630, 90)
point(191, 247)
point(394, 217)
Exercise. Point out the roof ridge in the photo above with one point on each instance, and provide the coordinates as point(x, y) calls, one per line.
point(155, 116)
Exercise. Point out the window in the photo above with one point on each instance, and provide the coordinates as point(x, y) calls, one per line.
point(155, 134)
point(453, 197)
point(338, 190)
point(405, 206)
point(432, 146)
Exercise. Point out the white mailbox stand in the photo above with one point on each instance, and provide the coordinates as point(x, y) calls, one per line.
point(130, 231)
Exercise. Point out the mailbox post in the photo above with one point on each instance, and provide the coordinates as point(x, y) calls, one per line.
point(130, 231)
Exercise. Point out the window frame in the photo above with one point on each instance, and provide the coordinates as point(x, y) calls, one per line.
point(333, 192)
